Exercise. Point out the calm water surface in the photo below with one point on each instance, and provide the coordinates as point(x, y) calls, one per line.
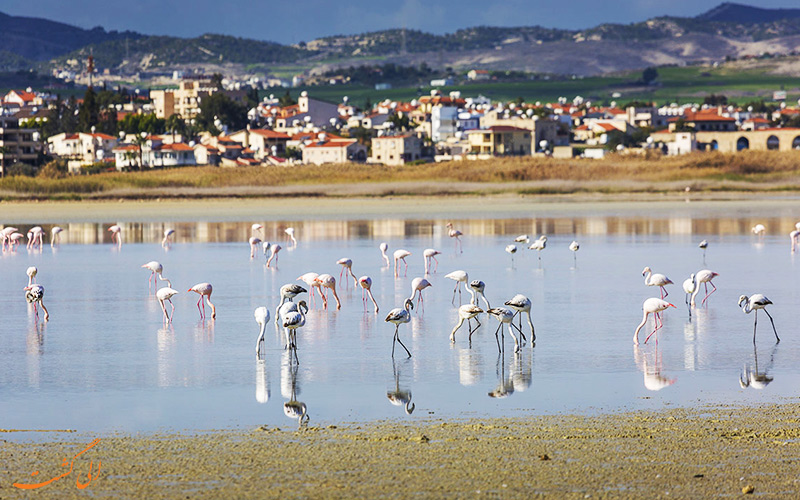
point(106, 362)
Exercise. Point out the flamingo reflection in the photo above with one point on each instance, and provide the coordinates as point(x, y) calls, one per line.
point(400, 397)
point(653, 379)
point(752, 377)
point(505, 387)
point(290, 388)
point(262, 382)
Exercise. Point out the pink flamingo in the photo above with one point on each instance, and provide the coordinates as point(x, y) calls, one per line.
point(116, 234)
point(35, 236)
point(346, 263)
point(366, 289)
point(6, 234)
point(155, 268)
point(455, 233)
point(384, 247)
point(167, 241)
point(14, 240)
point(35, 294)
point(274, 255)
point(254, 244)
point(204, 290)
point(418, 285)
point(652, 305)
point(658, 280)
point(32, 272)
point(431, 253)
point(310, 279)
point(290, 235)
point(55, 236)
point(328, 281)
point(400, 254)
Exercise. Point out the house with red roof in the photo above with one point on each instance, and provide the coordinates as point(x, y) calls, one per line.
point(263, 142)
point(81, 148)
point(341, 151)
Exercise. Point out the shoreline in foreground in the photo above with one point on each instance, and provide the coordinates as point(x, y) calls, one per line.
point(702, 452)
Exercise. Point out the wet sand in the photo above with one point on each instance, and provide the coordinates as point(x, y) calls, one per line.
point(703, 452)
point(460, 206)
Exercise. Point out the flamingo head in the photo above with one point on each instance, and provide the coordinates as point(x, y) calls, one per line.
point(645, 271)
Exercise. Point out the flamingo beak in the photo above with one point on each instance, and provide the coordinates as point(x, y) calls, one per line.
point(189, 290)
point(672, 305)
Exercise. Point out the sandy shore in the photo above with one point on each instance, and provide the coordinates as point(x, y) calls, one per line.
point(457, 206)
point(696, 453)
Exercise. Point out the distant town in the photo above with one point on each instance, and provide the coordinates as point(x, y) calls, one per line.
point(207, 120)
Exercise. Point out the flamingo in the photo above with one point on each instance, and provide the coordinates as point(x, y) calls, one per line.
point(455, 233)
point(384, 247)
point(705, 276)
point(35, 237)
point(310, 279)
point(793, 238)
point(399, 255)
point(266, 247)
point(574, 246)
point(478, 287)
point(14, 240)
point(293, 320)
point(431, 253)
point(689, 286)
point(204, 290)
point(274, 255)
point(254, 244)
point(31, 272)
point(539, 245)
point(522, 238)
point(418, 285)
point(366, 289)
point(466, 313)
point(328, 281)
point(287, 292)
point(459, 276)
point(703, 244)
point(165, 294)
point(759, 230)
point(399, 316)
point(511, 250)
point(254, 228)
point(658, 280)
point(347, 263)
point(55, 236)
point(156, 269)
point(6, 234)
point(504, 316)
point(116, 234)
point(754, 303)
point(34, 294)
point(522, 304)
point(167, 241)
point(652, 305)
point(290, 234)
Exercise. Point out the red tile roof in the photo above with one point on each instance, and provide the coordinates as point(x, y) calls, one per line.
point(332, 144)
point(270, 134)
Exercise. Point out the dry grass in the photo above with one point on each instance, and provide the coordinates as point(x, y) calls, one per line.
point(756, 170)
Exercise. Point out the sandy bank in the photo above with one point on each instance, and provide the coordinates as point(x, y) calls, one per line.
point(695, 453)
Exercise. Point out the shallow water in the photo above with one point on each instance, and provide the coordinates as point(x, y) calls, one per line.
point(106, 362)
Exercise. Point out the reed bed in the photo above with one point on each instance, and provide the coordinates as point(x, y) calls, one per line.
point(753, 168)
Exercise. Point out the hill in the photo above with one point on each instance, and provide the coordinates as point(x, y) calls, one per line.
point(746, 14)
point(41, 39)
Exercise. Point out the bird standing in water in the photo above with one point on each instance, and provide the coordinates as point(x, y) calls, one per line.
point(754, 303)
point(398, 316)
point(204, 290)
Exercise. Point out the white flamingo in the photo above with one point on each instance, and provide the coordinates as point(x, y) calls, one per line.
point(168, 234)
point(652, 306)
point(204, 290)
point(754, 303)
point(459, 276)
point(32, 272)
point(292, 321)
point(399, 316)
point(455, 233)
point(705, 276)
point(504, 316)
point(165, 294)
point(478, 287)
point(254, 242)
point(703, 245)
point(759, 230)
point(430, 254)
point(384, 247)
point(156, 269)
point(400, 254)
point(116, 234)
point(418, 285)
point(328, 281)
point(34, 294)
point(522, 238)
point(522, 304)
point(347, 264)
point(511, 250)
point(261, 315)
point(574, 246)
point(658, 280)
point(310, 279)
point(256, 228)
point(287, 292)
point(689, 286)
point(290, 234)
point(55, 236)
point(466, 313)
point(539, 245)
point(274, 255)
point(366, 289)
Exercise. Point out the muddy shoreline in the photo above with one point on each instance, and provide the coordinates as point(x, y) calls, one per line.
point(702, 452)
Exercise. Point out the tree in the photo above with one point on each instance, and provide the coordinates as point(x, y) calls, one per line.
point(649, 75)
point(400, 121)
point(252, 97)
point(220, 107)
point(716, 100)
point(286, 100)
point(89, 113)
point(216, 80)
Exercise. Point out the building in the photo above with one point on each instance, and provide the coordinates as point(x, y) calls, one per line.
point(705, 120)
point(478, 74)
point(394, 150)
point(185, 100)
point(81, 148)
point(263, 142)
point(501, 140)
point(542, 129)
point(17, 144)
point(154, 152)
point(339, 151)
point(307, 111)
point(769, 139)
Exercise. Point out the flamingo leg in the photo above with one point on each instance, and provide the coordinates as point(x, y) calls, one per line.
point(396, 336)
point(454, 294)
point(755, 323)
point(394, 339)
point(405, 274)
point(709, 294)
point(199, 301)
point(496, 338)
point(437, 264)
point(768, 315)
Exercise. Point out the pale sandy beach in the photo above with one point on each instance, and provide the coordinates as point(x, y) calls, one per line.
point(705, 452)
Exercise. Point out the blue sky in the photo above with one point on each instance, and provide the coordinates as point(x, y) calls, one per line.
point(295, 21)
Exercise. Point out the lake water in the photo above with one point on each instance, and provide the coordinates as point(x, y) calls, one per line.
point(106, 362)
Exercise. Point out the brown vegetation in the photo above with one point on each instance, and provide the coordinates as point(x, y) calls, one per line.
point(749, 171)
